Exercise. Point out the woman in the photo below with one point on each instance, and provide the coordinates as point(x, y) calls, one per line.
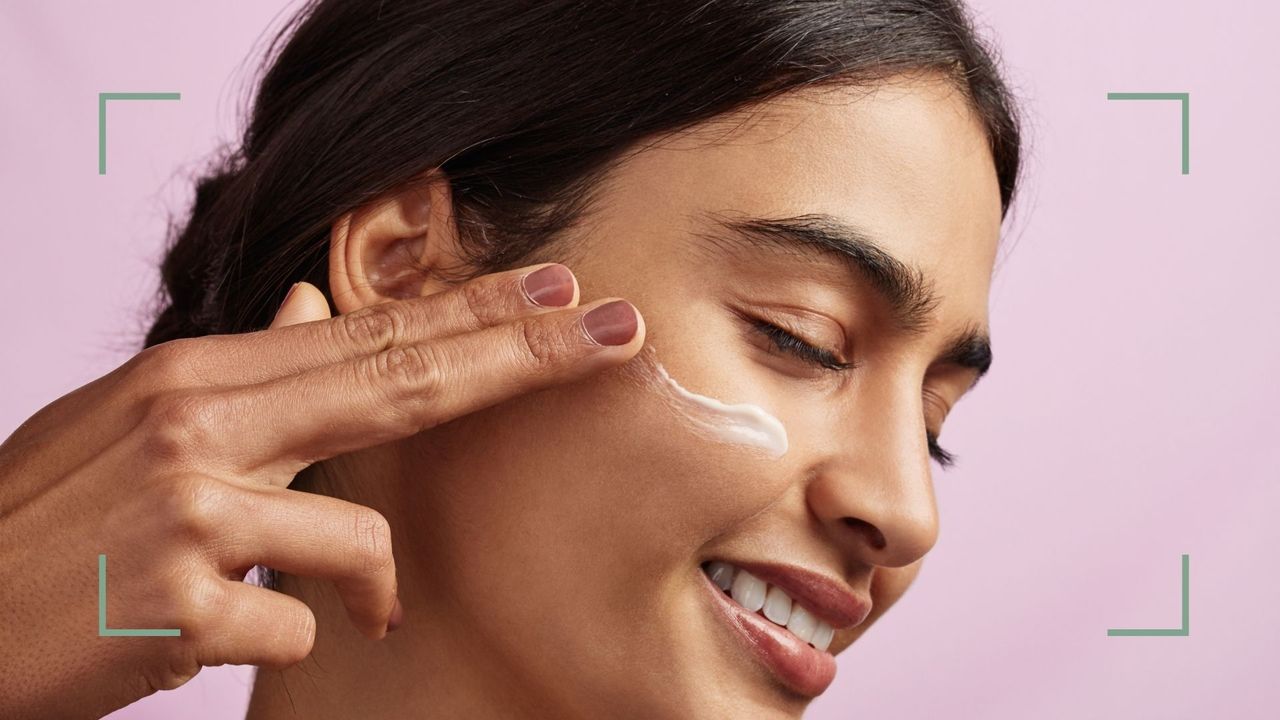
point(645, 320)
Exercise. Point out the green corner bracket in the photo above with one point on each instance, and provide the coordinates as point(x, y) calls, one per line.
point(1186, 117)
point(102, 117)
point(1186, 613)
point(104, 631)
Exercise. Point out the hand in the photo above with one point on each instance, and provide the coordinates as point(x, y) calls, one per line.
point(176, 466)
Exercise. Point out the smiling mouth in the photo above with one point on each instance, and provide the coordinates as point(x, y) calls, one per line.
point(771, 602)
point(801, 666)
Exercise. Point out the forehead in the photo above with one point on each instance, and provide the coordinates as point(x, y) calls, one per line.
point(907, 162)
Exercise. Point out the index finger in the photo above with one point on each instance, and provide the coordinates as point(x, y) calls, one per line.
point(285, 424)
point(484, 301)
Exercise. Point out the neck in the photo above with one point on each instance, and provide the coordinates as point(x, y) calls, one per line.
point(433, 666)
point(428, 668)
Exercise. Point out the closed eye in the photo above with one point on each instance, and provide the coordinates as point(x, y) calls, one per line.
point(789, 343)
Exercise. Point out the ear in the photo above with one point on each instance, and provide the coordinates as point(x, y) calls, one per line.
point(396, 246)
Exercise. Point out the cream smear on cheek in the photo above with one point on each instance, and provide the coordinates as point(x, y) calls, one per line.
point(738, 424)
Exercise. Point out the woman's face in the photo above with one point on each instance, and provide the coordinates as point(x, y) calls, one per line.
point(563, 535)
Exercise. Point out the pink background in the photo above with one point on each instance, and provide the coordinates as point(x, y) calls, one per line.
point(1129, 417)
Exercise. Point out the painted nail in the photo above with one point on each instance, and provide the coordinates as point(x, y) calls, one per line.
point(613, 323)
point(551, 286)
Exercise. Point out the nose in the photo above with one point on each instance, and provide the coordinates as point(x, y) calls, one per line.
point(874, 490)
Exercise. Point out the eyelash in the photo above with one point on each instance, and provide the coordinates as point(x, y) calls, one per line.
point(938, 453)
point(789, 343)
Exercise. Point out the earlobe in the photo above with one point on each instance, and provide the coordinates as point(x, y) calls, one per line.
point(389, 248)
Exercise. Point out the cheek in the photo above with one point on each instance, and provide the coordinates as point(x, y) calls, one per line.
point(747, 426)
point(646, 466)
point(612, 467)
point(591, 504)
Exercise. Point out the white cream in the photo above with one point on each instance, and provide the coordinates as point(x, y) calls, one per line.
point(739, 424)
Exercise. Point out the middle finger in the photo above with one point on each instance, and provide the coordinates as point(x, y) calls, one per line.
point(482, 302)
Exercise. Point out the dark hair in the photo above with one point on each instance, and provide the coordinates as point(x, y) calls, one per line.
point(524, 105)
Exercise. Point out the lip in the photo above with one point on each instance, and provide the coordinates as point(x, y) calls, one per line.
point(803, 668)
point(829, 600)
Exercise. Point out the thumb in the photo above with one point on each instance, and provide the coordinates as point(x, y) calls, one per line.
point(303, 303)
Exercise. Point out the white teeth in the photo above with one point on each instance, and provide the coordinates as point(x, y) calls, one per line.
point(748, 590)
point(802, 623)
point(721, 574)
point(822, 636)
point(756, 595)
point(777, 605)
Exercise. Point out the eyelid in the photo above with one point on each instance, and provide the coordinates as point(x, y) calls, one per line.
point(943, 408)
point(794, 344)
point(936, 451)
point(803, 324)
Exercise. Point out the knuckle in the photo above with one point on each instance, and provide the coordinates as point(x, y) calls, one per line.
point(195, 507)
point(181, 424)
point(415, 366)
point(537, 343)
point(170, 673)
point(377, 326)
point(372, 542)
point(204, 601)
point(167, 364)
point(481, 299)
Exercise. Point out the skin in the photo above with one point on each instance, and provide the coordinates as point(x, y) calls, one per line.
point(175, 466)
point(548, 548)
point(488, 483)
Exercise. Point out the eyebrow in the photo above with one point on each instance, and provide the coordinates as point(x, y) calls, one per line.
point(904, 287)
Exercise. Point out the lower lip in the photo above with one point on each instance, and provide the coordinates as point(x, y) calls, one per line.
point(800, 666)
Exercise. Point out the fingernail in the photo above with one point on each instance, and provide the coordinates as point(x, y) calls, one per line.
point(613, 323)
point(551, 286)
point(396, 618)
point(293, 288)
point(285, 301)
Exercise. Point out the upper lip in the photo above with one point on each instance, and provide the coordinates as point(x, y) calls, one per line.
point(831, 601)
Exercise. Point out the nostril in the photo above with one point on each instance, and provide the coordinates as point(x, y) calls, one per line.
point(872, 532)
